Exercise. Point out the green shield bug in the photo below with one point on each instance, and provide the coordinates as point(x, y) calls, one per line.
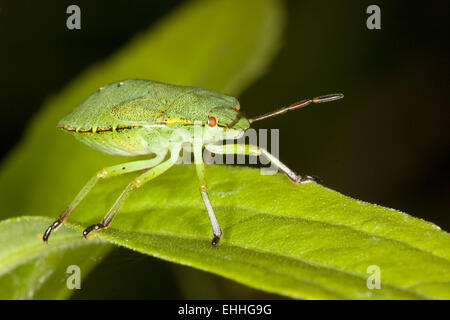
point(138, 117)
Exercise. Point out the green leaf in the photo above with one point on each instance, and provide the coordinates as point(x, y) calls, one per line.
point(29, 270)
point(302, 241)
point(211, 44)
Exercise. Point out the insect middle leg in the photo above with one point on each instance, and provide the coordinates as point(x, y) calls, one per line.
point(200, 167)
point(245, 149)
point(102, 174)
point(136, 183)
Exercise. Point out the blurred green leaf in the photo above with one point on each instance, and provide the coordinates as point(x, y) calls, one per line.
point(30, 270)
point(302, 241)
point(212, 44)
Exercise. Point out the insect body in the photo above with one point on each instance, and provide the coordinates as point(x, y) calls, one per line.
point(139, 117)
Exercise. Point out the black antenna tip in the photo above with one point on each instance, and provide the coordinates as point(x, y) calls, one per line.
point(328, 98)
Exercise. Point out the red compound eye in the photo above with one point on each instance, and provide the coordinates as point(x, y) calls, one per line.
point(236, 109)
point(212, 122)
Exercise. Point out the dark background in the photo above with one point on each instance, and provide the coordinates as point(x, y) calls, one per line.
point(387, 142)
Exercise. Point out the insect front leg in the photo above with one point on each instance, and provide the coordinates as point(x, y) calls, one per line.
point(136, 183)
point(200, 167)
point(102, 174)
point(245, 149)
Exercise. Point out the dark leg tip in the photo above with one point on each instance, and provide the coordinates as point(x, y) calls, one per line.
point(306, 179)
point(47, 234)
point(215, 241)
point(49, 230)
point(94, 227)
point(296, 179)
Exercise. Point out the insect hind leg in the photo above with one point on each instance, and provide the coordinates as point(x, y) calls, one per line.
point(102, 174)
point(136, 183)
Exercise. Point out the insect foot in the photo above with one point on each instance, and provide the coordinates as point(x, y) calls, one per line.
point(94, 227)
point(215, 241)
point(49, 230)
point(304, 179)
point(308, 179)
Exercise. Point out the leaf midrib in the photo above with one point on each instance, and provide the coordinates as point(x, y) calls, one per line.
point(112, 238)
point(337, 225)
point(109, 237)
point(333, 224)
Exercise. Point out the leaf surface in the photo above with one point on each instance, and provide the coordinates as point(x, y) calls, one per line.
point(302, 241)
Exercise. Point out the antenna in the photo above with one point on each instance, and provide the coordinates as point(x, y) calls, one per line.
point(299, 105)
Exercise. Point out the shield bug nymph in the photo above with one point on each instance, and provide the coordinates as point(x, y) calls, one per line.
point(140, 117)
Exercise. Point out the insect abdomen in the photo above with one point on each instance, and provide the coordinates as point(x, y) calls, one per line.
point(120, 140)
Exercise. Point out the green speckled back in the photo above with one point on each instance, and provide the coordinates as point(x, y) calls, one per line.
point(132, 117)
point(146, 102)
